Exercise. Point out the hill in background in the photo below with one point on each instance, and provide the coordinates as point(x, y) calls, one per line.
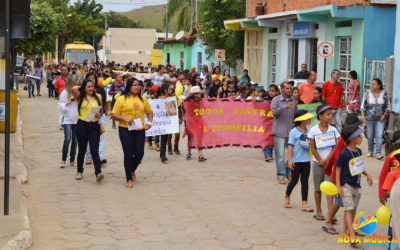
point(151, 17)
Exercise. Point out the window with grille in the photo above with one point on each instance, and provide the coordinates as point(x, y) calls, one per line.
point(273, 61)
point(345, 62)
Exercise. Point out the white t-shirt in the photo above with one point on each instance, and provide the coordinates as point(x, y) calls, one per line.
point(331, 132)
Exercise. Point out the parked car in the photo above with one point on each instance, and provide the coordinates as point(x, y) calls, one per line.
point(19, 65)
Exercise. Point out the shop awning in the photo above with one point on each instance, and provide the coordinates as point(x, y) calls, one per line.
point(275, 19)
point(321, 14)
point(241, 24)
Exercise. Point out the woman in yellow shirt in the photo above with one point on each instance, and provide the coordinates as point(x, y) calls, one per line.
point(88, 131)
point(217, 73)
point(129, 107)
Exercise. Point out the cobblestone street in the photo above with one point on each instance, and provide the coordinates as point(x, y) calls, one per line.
point(230, 201)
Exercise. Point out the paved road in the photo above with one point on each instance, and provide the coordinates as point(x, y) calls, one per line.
point(230, 201)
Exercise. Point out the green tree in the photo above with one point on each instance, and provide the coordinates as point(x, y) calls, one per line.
point(181, 9)
point(212, 14)
point(116, 20)
point(44, 29)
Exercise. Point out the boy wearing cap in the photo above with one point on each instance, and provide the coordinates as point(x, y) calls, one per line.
point(349, 167)
point(323, 139)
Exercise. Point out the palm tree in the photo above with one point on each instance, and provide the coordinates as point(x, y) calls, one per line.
point(181, 8)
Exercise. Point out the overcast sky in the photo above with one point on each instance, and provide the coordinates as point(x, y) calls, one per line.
point(126, 5)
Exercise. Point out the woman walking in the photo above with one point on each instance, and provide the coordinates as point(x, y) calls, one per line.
point(38, 74)
point(88, 131)
point(354, 93)
point(68, 119)
point(129, 107)
point(31, 81)
point(374, 108)
point(99, 90)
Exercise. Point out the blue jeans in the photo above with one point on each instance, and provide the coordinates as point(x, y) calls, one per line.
point(281, 145)
point(102, 143)
point(31, 87)
point(337, 118)
point(268, 152)
point(69, 135)
point(375, 129)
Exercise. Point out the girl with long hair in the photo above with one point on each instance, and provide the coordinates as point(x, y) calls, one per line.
point(99, 90)
point(127, 108)
point(68, 119)
point(88, 131)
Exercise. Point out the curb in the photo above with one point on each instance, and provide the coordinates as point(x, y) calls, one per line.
point(23, 239)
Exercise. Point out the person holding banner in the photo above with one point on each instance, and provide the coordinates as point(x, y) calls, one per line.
point(283, 108)
point(129, 111)
point(88, 128)
point(166, 91)
point(30, 81)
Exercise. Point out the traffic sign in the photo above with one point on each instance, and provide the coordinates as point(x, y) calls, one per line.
point(219, 55)
point(326, 49)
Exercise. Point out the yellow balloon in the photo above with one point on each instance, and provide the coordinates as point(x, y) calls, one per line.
point(328, 188)
point(383, 215)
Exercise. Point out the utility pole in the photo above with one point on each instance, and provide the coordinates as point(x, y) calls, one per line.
point(196, 12)
point(105, 37)
point(166, 20)
point(56, 49)
point(7, 121)
point(191, 16)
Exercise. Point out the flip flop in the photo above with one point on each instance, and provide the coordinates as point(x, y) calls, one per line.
point(329, 230)
point(318, 218)
point(307, 209)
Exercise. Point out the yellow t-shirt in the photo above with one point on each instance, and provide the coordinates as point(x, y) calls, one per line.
point(132, 108)
point(86, 107)
point(178, 89)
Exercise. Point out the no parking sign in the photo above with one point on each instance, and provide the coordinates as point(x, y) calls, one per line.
point(326, 49)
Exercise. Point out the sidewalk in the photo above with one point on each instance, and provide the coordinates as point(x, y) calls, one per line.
point(14, 228)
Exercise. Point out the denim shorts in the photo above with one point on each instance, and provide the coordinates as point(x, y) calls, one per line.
point(338, 201)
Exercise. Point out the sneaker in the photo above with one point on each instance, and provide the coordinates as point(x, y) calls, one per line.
point(151, 146)
point(268, 158)
point(78, 176)
point(282, 181)
point(164, 159)
point(103, 161)
point(156, 148)
point(99, 177)
point(72, 164)
point(176, 151)
point(170, 150)
point(62, 164)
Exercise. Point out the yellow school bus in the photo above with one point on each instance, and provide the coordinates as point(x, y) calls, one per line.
point(78, 52)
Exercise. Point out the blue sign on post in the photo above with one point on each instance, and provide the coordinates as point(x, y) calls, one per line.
point(108, 52)
point(301, 29)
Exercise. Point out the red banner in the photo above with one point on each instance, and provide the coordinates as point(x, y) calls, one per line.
point(217, 123)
